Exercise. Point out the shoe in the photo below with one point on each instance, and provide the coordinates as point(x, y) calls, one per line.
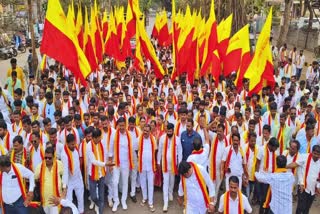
point(124, 205)
point(170, 197)
point(143, 203)
point(152, 209)
point(110, 203)
point(115, 207)
point(96, 209)
point(165, 208)
point(133, 199)
point(91, 206)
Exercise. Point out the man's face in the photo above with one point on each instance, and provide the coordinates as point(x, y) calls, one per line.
point(315, 155)
point(252, 141)
point(220, 132)
point(293, 114)
point(233, 187)
point(266, 134)
point(2, 132)
point(251, 127)
point(35, 141)
point(53, 138)
point(34, 110)
point(235, 142)
point(122, 127)
point(49, 159)
point(189, 127)
point(16, 117)
point(293, 149)
point(105, 124)
point(68, 126)
point(72, 145)
point(17, 146)
point(170, 109)
point(146, 131)
point(86, 119)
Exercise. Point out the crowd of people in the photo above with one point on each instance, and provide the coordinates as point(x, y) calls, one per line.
point(63, 143)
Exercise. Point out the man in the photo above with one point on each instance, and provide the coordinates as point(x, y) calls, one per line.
point(171, 116)
point(49, 107)
point(266, 163)
point(219, 143)
point(147, 147)
point(97, 161)
point(69, 129)
point(169, 155)
point(233, 162)
point(15, 199)
point(12, 83)
point(66, 103)
point(193, 189)
point(299, 64)
point(53, 139)
point(20, 73)
point(251, 150)
point(72, 177)
point(47, 172)
point(5, 136)
point(308, 139)
point(308, 179)
point(5, 104)
point(36, 151)
point(280, 183)
point(19, 154)
point(121, 152)
point(187, 138)
point(200, 154)
point(107, 139)
point(181, 124)
point(292, 155)
point(283, 133)
point(234, 198)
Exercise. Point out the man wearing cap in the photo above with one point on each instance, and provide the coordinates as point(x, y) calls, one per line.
point(20, 74)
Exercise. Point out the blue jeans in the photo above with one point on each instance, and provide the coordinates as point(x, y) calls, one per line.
point(97, 199)
point(16, 207)
point(299, 70)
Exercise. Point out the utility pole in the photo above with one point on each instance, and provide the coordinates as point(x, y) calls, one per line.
point(34, 54)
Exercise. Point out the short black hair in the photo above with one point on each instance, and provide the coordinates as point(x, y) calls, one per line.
point(96, 133)
point(281, 161)
point(121, 120)
point(18, 139)
point(3, 124)
point(296, 142)
point(184, 167)
point(234, 179)
point(132, 120)
point(50, 150)
point(316, 148)
point(5, 161)
point(70, 138)
point(273, 142)
point(170, 126)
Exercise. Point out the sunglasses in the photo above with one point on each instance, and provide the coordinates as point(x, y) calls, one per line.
point(33, 141)
point(48, 158)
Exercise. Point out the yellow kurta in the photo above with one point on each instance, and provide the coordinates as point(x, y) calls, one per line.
point(20, 76)
point(48, 182)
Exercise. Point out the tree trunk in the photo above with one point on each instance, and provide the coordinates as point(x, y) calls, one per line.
point(307, 5)
point(39, 11)
point(34, 54)
point(286, 21)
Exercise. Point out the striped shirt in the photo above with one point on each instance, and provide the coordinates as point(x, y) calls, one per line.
point(281, 188)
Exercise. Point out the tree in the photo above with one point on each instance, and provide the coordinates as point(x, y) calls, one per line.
point(31, 22)
point(286, 21)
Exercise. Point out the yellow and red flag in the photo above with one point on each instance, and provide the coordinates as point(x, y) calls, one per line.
point(130, 21)
point(163, 29)
point(61, 43)
point(238, 47)
point(224, 30)
point(104, 26)
point(87, 43)
point(79, 27)
point(260, 70)
point(96, 34)
point(211, 43)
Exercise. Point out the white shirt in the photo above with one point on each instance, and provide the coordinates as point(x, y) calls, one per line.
point(93, 161)
point(281, 187)
point(169, 153)
point(67, 177)
point(234, 204)
point(123, 150)
point(67, 203)
point(236, 161)
point(10, 184)
point(250, 160)
point(106, 142)
point(147, 154)
point(201, 159)
point(219, 154)
point(36, 158)
point(313, 173)
point(64, 134)
point(3, 105)
point(261, 158)
point(195, 201)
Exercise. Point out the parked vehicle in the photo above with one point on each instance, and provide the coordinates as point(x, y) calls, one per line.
point(4, 53)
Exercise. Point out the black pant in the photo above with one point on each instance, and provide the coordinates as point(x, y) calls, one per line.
point(305, 201)
point(263, 190)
